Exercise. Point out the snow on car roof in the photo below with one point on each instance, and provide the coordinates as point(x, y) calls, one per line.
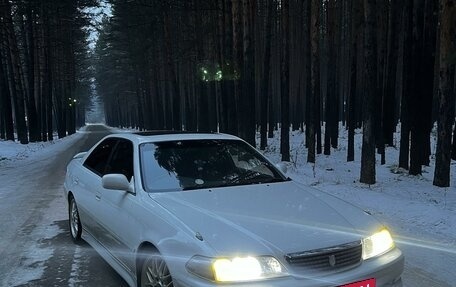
point(158, 136)
point(163, 132)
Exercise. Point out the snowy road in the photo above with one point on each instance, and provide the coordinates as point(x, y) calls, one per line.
point(36, 250)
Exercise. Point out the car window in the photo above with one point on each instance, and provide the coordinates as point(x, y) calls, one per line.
point(99, 157)
point(194, 164)
point(122, 159)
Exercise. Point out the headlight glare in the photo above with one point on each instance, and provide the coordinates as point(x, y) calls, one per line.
point(236, 269)
point(377, 244)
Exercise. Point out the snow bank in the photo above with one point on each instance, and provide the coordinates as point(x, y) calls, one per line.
point(13, 151)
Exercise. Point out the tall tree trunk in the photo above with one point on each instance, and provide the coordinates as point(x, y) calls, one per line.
point(2, 119)
point(308, 80)
point(332, 68)
point(447, 93)
point(139, 97)
point(407, 92)
point(228, 86)
point(264, 94)
point(285, 84)
point(14, 64)
point(370, 93)
point(315, 77)
point(317, 115)
point(221, 58)
point(271, 112)
point(338, 94)
point(176, 102)
point(453, 150)
point(238, 61)
point(46, 77)
point(201, 88)
point(48, 91)
point(32, 116)
point(389, 94)
point(422, 84)
point(247, 100)
point(429, 64)
point(6, 113)
point(382, 41)
point(356, 30)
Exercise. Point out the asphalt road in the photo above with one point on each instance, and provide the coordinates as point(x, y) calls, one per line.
point(35, 246)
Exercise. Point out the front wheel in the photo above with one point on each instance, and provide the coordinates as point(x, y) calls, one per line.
point(74, 221)
point(155, 272)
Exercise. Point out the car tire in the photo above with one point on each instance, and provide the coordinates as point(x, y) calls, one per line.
point(155, 272)
point(74, 221)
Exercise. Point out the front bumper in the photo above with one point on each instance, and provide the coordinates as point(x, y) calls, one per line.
point(386, 269)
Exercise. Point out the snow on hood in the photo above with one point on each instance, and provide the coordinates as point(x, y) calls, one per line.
point(260, 219)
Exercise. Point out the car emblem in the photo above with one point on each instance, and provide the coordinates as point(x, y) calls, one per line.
point(332, 260)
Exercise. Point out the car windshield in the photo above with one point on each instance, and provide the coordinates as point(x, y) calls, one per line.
point(194, 164)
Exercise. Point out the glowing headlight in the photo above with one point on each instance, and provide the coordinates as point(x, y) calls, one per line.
point(236, 269)
point(377, 244)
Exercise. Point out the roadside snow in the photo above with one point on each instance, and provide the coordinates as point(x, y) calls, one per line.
point(11, 151)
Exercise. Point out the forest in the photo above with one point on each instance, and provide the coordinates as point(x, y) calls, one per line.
point(239, 67)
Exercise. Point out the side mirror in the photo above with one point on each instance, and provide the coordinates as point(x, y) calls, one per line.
point(116, 181)
point(80, 155)
point(282, 166)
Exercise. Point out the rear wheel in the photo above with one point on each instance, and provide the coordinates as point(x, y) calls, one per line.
point(74, 221)
point(155, 272)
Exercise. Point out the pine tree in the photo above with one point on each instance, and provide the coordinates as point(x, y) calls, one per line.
point(370, 93)
point(447, 97)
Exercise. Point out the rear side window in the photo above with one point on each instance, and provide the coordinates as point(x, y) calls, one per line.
point(99, 157)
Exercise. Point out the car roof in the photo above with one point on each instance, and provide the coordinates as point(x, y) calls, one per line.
point(166, 135)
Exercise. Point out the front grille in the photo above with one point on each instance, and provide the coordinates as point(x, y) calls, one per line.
point(329, 258)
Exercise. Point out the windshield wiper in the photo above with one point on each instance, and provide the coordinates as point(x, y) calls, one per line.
point(254, 177)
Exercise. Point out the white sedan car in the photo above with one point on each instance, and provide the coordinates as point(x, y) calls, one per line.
point(189, 210)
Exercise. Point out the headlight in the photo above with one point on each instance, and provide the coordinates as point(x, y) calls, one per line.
point(377, 244)
point(236, 269)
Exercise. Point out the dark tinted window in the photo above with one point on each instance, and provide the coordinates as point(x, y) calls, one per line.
point(195, 164)
point(99, 157)
point(122, 159)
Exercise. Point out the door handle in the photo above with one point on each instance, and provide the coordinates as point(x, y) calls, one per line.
point(97, 197)
point(75, 181)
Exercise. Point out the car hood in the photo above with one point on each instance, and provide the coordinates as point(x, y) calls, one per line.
point(279, 218)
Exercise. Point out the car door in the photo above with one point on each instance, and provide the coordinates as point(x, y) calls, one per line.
point(117, 206)
point(88, 181)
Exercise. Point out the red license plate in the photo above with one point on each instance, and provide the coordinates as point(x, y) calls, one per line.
point(364, 283)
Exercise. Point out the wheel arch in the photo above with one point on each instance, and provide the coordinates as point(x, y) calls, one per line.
point(144, 248)
point(76, 237)
point(69, 196)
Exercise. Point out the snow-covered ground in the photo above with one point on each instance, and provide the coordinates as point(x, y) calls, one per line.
point(12, 151)
point(421, 216)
